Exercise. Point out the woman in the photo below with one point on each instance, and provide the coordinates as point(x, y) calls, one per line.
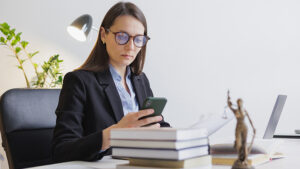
point(107, 90)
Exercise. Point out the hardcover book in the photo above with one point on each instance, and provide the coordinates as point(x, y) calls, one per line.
point(127, 166)
point(158, 134)
point(162, 144)
point(192, 162)
point(160, 153)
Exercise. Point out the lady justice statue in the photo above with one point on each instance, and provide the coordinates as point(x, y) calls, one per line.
point(241, 132)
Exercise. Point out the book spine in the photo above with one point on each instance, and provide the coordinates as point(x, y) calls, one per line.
point(177, 145)
point(166, 149)
point(158, 135)
point(160, 153)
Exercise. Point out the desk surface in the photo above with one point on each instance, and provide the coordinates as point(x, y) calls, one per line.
point(290, 147)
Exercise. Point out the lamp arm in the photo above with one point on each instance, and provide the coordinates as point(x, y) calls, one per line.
point(95, 28)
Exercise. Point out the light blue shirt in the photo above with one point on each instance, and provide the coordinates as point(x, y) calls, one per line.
point(129, 101)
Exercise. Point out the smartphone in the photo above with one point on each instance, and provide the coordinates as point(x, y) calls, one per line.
point(155, 103)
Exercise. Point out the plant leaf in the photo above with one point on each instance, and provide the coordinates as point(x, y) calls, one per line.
point(19, 67)
point(9, 37)
point(22, 61)
point(18, 49)
point(24, 44)
point(2, 39)
point(12, 32)
point(5, 32)
point(35, 65)
point(5, 25)
point(18, 36)
point(33, 54)
point(14, 42)
point(4, 28)
point(55, 57)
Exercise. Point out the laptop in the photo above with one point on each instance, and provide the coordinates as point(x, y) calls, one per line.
point(274, 119)
point(214, 123)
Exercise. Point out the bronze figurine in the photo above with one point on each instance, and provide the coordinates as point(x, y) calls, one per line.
point(241, 132)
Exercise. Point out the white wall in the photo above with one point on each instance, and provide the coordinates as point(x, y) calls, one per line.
point(198, 50)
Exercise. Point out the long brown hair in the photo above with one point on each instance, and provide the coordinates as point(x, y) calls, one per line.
point(98, 59)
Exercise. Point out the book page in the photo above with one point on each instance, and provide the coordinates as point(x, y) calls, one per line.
point(212, 122)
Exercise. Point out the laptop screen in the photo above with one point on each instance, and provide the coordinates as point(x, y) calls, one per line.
point(273, 121)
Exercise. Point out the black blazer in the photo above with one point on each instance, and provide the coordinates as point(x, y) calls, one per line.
point(89, 102)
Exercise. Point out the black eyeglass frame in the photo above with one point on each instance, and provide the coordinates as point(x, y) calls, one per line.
point(115, 33)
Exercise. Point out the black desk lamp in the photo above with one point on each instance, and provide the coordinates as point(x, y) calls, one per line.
point(81, 27)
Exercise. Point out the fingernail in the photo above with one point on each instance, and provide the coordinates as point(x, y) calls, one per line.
point(159, 118)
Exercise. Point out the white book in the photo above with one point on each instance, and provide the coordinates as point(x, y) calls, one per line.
point(160, 153)
point(159, 144)
point(158, 134)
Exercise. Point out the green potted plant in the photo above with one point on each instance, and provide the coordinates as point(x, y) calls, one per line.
point(47, 75)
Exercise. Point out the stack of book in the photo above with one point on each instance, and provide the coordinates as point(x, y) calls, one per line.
point(161, 148)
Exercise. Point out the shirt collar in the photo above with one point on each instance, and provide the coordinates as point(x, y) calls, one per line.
point(116, 76)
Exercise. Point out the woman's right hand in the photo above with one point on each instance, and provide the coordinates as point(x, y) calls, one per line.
point(133, 119)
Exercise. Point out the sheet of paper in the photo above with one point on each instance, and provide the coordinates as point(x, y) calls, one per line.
point(212, 122)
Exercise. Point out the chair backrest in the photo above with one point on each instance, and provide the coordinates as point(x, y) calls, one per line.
point(27, 122)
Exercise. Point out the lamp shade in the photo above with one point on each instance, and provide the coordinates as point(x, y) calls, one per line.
point(81, 27)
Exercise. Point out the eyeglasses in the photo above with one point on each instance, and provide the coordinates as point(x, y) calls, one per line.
point(122, 38)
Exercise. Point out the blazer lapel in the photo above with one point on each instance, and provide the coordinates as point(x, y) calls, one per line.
point(105, 80)
point(139, 89)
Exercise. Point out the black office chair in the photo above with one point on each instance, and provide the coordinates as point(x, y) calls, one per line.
point(27, 121)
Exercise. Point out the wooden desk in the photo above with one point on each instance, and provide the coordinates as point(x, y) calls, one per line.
point(290, 147)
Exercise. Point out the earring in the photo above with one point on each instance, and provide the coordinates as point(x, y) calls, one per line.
point(103, 43)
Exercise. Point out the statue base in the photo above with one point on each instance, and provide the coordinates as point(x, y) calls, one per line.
point(241, 165)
